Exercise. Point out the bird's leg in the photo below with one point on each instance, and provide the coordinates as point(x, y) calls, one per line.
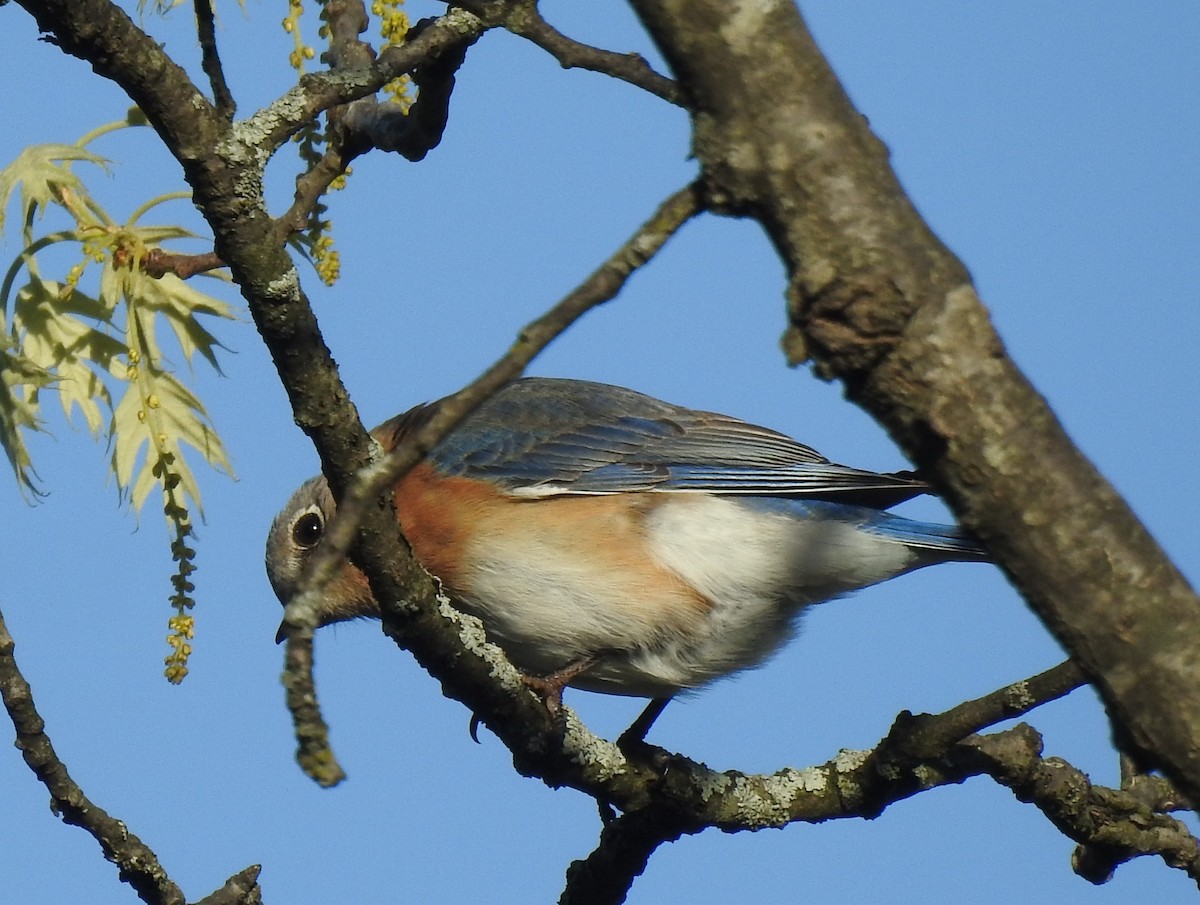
point(635, 736)
point(550, 687)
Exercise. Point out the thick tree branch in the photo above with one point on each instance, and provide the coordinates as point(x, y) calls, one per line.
point(136, 862)
point(877, 301)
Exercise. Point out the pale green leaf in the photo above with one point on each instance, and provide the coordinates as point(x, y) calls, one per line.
point(156, 235)
point(41, 172)
point(112, 284)
point(180, 305)
point(17, 412)
point(47, 321)
point(156, 415)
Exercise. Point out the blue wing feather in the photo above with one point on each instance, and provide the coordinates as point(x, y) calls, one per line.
point(546, 437)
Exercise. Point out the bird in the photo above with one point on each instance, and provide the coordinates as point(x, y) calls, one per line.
point(617, 543)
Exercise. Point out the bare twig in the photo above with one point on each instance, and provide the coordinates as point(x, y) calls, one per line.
point(158, 262)
point(210, 60)
point(136, 862)
point(1111, 826)
point(311, 186)
point(314, 754)
point(926, 735)
point(240, 889)
point(522, 17)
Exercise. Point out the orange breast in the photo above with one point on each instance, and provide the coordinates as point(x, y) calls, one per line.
point(457, 525)
point(439, 516)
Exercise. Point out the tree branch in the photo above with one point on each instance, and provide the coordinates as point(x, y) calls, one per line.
point(1111, 827)
point(919, 753)
point(914, 737)
point(417, 131)
point(626, 844)
point(158, 262)
point(240, 889)
point(877, 301)
point(210, 60)
point(320, 91)
point(366, 124)
point(136, 862)
point(523, 18)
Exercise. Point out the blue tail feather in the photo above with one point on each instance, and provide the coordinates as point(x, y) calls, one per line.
point(948, 540)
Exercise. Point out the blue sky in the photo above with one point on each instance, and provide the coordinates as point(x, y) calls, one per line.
point(1051, 145)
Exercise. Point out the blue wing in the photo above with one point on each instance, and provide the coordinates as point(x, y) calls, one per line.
point(540, 437)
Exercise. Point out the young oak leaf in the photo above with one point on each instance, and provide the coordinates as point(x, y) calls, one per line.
point(159, 412)
point(43, 178)
point(56, 327)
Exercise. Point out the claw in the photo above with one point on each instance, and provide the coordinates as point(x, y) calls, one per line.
point(550, 688)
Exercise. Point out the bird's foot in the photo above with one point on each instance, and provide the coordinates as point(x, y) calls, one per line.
point(550, 687)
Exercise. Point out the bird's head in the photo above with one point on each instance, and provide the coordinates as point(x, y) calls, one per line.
point(296, 532)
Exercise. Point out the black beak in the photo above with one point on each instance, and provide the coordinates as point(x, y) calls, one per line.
point(281, 635)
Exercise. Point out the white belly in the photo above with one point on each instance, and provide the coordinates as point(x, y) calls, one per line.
point(674, 593)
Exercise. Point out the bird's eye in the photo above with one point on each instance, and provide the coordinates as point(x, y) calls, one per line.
point(307, 530)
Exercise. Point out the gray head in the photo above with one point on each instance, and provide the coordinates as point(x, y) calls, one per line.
point(294, 535)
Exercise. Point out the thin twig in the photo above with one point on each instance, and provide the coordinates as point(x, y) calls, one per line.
point(240, 889)
point(311, 187)
point(210, 60)
point(314, 754)
point(522, 17)
point(158, 262)
point(1111, 826)
point(137, 863)
point(924, 735)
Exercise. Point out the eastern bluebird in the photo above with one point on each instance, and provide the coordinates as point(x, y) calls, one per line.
point(621, 544)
